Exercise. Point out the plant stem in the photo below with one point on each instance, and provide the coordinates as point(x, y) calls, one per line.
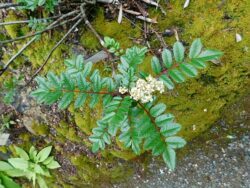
point(87, 92)
point(37, 33)
point(25, 21)
point(8, 5)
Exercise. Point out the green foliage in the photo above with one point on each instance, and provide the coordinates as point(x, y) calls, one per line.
point(9, 89)
point(33, 165)
point(5, 123)
point(134, 56)
point(6, 181)
point(34, 4)
point(114, 113)
point(178, 50)
point(112, 46)
point(37, 24)
point(76, 65)
point(171, 71)
point(142, 125)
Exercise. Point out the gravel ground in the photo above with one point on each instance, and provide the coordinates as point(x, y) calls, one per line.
point(223, 160)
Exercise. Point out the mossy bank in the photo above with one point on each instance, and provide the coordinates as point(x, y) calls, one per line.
point(197, 104)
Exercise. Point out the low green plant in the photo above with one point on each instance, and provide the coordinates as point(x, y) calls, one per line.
point(113, 46)
point(5, 123)
point(34, 4)
point(130, 108)
point(37, 24)
point(9, 89)
point(33, 165)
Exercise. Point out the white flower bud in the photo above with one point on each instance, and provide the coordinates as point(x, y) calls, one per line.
point(123, 90)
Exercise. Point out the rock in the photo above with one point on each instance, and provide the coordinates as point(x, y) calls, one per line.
point(4, 139)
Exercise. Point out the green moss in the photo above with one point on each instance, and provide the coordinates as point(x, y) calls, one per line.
point(123, 154)
point(98, 172)
point(3, 149)
point(86, 118)
point(123, 33)
point(13, 30)
point(66, 131)
point(39, 50)
point(197, 104)
point(40, 129)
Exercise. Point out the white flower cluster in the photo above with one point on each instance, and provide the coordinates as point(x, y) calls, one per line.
point(144, 89)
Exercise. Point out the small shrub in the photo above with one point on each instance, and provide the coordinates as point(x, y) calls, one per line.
point(130, 109)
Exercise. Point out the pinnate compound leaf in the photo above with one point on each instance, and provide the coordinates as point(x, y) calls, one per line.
point(130, 137)
point(134, 56)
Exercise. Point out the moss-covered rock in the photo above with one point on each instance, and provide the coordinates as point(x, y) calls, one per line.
point(196, 104)
point(39, 50)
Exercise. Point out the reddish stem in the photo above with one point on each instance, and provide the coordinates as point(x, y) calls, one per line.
point(89, 92)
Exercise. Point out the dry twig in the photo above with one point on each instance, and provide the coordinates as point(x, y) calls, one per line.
point(54, 48)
